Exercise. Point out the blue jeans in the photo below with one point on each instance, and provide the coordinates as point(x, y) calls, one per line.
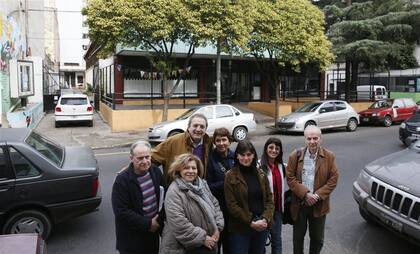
point(275, 233)
point(252, 242)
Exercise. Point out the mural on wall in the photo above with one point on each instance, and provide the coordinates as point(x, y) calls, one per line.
point(12, 42)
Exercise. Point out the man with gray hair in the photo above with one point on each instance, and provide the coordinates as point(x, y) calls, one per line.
point(312, 175)
point(135, 201)
point(194, 140)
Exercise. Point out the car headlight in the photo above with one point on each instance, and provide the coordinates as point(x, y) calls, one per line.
point(374, 114)
point(363, 180)
point(403, 125)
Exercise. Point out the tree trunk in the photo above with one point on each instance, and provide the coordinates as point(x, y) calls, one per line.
point(348, 80)
point(277, 104)
point(218, 74)
point(166, 97)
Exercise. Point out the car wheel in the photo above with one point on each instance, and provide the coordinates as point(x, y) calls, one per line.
point(387, 121)
point(57, 124)
point(172, 133)
point(352, 124)
point(309, 123)
point(240, 133)
point(28, 221)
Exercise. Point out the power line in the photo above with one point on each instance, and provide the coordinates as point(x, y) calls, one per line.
point(55, 10)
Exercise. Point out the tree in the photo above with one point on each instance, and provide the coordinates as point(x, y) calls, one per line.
point(286, 35)
point(374, 35)
point(158, 25)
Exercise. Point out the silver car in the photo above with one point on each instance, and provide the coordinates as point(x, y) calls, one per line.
point(325, 114)
point(237, 122)
point(388, 192)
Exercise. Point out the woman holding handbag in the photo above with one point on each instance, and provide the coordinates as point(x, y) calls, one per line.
point(193, 216)
point(273, 167)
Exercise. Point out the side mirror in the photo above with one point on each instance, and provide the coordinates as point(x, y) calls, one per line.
point(395, 106)
point(322, 110)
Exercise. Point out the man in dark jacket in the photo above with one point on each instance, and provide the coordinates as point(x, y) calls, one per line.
point(136, 203)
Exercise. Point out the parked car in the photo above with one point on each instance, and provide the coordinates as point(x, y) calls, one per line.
point(325, 114)
point(418, 105)
point(73, 108)
point(410, 129)
point(237, 122)
point(389, 111)
point(388, 192)
point(43, 183)
point(373, 91)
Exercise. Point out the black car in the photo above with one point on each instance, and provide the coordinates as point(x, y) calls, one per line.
point(410, 129)
point(43, 183)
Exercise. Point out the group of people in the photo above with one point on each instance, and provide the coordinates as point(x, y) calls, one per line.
point(208, 197)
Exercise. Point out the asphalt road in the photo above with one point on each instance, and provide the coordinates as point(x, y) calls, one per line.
point(346, 231)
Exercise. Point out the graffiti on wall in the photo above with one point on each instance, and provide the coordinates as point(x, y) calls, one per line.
point(12, 41)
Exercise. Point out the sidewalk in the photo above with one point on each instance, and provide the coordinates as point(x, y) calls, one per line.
point(98, 136)
point(101, 136)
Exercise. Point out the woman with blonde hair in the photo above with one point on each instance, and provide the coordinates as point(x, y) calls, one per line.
point(193, 216)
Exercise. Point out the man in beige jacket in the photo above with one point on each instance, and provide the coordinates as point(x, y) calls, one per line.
point(311, 175)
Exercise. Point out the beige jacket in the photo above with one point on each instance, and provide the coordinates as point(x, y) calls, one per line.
point(187, 224)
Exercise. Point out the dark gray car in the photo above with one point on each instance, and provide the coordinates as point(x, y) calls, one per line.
point(388, 192)
point(43, 183)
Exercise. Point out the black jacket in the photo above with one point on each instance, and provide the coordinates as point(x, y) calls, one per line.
point(132, 228)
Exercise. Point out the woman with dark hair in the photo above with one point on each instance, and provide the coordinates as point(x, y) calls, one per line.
point(249, 202)
point(272, 165)
point(221, 159)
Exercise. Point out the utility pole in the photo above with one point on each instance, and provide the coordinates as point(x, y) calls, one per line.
point(218, 74)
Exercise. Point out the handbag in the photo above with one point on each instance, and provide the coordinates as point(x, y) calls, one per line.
point(287, 215)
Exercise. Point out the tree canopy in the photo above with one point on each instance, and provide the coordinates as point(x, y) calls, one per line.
point(380, 34)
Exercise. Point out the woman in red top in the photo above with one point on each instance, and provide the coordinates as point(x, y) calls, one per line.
point(272, 165)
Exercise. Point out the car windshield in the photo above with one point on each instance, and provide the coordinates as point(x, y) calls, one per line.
point(73, 101)
point(381, 104)
point(309, 107)
point(186, 114)
point(52, 151)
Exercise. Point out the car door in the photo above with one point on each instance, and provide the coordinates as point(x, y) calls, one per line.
point(7, 181)
point(326, 115)
point(225, 117)
point(342, 114)
point(398, 110)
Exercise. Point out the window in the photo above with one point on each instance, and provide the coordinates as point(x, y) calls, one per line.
point(80, 79)
point(223, 111)
point(398, 103)
point(23, 168)
point(207, 112)
point(73, 101)
point(47, 148)
point(340, 106)
point(409, 102)
point(3, 173)
point(327, 107)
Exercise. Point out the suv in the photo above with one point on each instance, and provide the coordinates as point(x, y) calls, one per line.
point(388, 111)
point(388, 193)
point(73, 108)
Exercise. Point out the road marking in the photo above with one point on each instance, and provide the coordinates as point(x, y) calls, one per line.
point(115, 153)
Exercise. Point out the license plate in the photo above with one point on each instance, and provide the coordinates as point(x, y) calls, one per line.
point(366, 119)
point(391, 222)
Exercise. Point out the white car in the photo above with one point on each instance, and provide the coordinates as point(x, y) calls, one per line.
point(73, 108)
point(324, 114)
point(238, 123)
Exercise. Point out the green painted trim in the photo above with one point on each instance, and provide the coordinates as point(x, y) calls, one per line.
point(415, 96)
